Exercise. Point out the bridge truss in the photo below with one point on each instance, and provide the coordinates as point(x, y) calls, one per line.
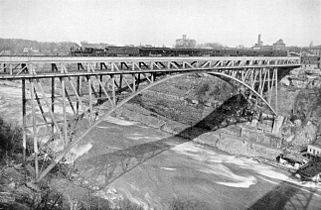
point(59, 91)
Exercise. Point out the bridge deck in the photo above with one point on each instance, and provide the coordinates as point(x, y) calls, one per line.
point(23, 67)
point(62, 59)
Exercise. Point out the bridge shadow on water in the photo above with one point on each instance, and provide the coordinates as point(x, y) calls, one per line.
point(287, 196)
point(101, 170)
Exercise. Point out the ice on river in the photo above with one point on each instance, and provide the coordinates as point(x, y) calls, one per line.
point(221, 164)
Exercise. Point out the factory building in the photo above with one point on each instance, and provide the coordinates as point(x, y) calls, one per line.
point(278, 45)
point(185, 43)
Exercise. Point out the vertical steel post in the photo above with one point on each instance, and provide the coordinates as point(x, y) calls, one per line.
point(269, 85)
point(90, 100)
point(53, 69)
point(261, 80)
point(100, 87)
point(34, 129)
point(264, 80)
point(252, 82)
point(138, 80)
point(79, 86)
point(64, 106)
point(152, 73)
point(134, 82)
point(10, 68)
point(78, 92)
point(243, 76)
point(24, 135)
point(113, 89)
point(276, 90)
point(120, 81)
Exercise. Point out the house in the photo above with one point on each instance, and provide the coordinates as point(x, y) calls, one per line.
point(314, 150)
point(294, 161)
point(310, 61)
point(311, 171)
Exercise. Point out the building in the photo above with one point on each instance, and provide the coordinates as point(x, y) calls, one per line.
point(185, 43)
point(316, 51)
point(259, 45)
point(311, 171)
point(25, 51)
point(311, 61)
point(5, 52)
point(279, 45)
point(314, 150)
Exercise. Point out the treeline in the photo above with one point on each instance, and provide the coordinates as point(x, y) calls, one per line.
point(22, 46)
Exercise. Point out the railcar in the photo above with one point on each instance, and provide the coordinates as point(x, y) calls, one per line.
point(168, 52)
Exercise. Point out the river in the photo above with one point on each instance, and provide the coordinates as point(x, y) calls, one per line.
point(159, 171)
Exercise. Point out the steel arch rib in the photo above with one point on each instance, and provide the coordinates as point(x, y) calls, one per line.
point(245, 85)
point(69, 147)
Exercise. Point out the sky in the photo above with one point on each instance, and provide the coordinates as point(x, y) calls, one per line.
point(160, 22)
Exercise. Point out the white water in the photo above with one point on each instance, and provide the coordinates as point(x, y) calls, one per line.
point(218, 164)
point(77, 152)
point(119, 121)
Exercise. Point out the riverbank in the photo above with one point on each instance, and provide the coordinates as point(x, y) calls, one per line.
point(237, 139)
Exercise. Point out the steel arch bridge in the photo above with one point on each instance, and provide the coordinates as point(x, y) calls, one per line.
point(57, 90)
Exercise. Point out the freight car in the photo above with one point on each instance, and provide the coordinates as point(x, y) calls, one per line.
point(116, 51)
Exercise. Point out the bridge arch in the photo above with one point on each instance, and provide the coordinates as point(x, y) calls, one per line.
point(73, 143)
point(217, 74)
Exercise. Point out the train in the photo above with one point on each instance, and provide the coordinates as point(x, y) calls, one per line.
point(118, 51)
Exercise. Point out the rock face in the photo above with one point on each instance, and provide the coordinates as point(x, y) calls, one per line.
point(233, 145)
point(186, 101)
point(302, 78)
point(300, 98)
point(177, 106)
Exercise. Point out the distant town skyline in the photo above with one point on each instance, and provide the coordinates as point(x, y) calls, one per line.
point(161, 22)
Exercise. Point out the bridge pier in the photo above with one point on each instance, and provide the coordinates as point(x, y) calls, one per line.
point(278, 122)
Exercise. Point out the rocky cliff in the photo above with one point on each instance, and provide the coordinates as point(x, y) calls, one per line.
point(211, 104)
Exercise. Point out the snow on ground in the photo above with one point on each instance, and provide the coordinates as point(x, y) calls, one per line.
point(119, 121)
point(12, 91)
point(168, 169)
point(77, 152)
point(141, 136)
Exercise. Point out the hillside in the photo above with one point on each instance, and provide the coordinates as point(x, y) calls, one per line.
point(22, 46)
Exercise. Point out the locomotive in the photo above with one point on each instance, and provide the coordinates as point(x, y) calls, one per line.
point(117, 51)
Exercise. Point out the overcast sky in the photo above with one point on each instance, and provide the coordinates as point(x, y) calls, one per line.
point(157, 22)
